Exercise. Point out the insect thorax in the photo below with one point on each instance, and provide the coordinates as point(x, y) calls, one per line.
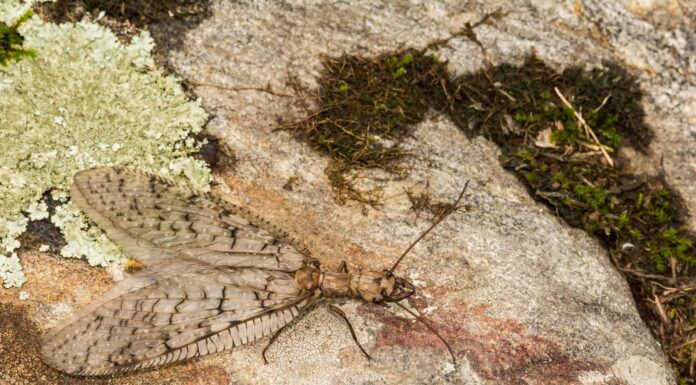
point(370, 286)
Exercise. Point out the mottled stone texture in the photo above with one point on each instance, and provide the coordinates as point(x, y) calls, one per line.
point(522, 298)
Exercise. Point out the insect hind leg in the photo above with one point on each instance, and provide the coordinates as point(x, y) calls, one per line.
point(334, 309)
point(305, 312)
point(270, 342)
point(337, 310)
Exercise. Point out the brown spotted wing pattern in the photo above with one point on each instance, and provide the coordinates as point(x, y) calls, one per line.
point(217, 277)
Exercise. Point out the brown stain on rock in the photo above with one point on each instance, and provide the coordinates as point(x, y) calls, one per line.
point(19, 347)
point(51, 279)
point(205, 375)
point(500, 350)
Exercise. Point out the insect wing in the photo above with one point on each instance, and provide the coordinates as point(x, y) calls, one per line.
point(152, 218)
point(173, 312)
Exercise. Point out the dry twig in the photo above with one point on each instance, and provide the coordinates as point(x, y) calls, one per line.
point(585, 125)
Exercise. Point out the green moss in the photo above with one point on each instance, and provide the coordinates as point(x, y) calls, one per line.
point(659, 214)
point(607, 132)
point(526, 118)
point(561, 180)
point(383, 94)
point(594, 197)
point(368, 107)
point(635, 234)
point(532, 177)
point(569, 131)
point(11, 41)
point(671, 243)
point(623, 221)
point(607, 97)
point(526, 154)
point(639, 201)
point(87, 100)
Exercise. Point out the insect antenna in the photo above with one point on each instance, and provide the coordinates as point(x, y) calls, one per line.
point(432, 329)
point(436, 222)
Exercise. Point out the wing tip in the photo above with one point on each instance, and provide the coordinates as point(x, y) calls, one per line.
point(51, 359)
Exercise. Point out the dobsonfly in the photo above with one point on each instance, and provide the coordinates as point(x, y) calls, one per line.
point(216, 277)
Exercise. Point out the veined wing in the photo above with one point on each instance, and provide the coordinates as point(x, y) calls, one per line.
point(153, 218)
point(173, 312)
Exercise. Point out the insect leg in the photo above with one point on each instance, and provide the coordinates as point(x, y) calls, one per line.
point(304, 312)
point(343, 268)
point(336, 310)
point(270, 342)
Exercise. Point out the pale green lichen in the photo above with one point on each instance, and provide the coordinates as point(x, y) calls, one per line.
point(85, 100)
point(37, 210)
point(13, 228)
point(12, 10)
point(11, 271)
point(84, 240)
point(194, 170)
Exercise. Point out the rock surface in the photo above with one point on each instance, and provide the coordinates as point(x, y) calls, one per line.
point(521, 297)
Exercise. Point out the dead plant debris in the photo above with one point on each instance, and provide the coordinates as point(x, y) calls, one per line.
point(138, 12)
point(126, 18)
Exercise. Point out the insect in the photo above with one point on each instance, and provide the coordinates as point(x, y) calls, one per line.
point(216, 277)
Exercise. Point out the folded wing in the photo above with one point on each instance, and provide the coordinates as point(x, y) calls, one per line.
point(152, 218)
point(173, 312)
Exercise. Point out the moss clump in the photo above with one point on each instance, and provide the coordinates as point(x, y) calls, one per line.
point(11, 41)
point(369, 105)
point(526, 95)
point(366, 105)
point(594, 197)
point(567, 169)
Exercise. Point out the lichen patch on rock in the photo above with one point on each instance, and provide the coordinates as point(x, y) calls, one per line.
point(85, 100)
